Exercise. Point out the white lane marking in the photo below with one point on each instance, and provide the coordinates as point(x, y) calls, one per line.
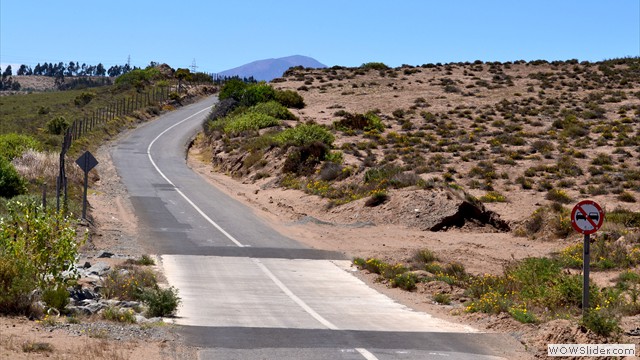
point(178, 190)
point(366, 354)
point(294, 297)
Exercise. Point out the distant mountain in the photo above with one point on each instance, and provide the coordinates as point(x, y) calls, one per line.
point(269, 69)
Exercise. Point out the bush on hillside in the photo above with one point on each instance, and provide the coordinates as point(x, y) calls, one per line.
point(304, 159)
point(11, 183)
point(57, 126)
point(290, 99)
point(257, 93)
point(274, 109)
point(249, 121)
point(367, 122)
point(13, 145)
point(232, 89)
point(374, 66)
point(138, 78)
point(84, 98)
point(305, 134)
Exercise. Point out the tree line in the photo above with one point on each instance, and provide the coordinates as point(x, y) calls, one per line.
point(72, 68)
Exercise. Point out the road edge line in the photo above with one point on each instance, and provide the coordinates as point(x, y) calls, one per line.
point(205, 216)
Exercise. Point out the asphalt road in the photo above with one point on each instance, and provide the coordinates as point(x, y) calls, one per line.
point(250, 293)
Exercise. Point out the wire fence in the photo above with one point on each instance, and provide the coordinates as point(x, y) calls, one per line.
point(153, 96)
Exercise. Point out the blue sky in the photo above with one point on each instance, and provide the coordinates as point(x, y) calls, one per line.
point(224, 34)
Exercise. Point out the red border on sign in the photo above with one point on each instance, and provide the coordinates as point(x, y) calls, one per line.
point(579, 208)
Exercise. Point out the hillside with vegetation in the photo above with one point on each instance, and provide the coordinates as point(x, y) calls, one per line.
point(479, 147)
point(42, 237)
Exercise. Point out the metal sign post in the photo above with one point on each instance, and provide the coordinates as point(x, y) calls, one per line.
point(586, 218)
point(586, 259)
point(86, 162)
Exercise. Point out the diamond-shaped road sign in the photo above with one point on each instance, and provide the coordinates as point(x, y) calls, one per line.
point(87, 162)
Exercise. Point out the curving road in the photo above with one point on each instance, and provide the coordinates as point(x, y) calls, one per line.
point(250, 293)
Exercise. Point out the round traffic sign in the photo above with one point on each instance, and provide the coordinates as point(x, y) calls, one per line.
point(587, 217)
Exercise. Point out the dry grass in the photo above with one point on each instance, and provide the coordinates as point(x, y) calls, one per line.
point(42, 167)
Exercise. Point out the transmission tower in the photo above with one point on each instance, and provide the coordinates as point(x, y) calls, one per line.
point(129, 61)
point(193, 66)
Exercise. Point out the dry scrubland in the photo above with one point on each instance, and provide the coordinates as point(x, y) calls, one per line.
point(519, 142)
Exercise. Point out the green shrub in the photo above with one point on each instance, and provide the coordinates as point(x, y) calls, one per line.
point(373, 265)
point(232, 89)
point(84, 98)
point(249, 121)
point(290, 99)
point(336, 157)
point(144, 260)
point(624, 217)
point(602, 159)
point(377, 198)
point(533, 277)
point(374, 66)
point(138, 78)
point(44, 238)
point(601, 322)
point(425, 256)
point(522, 314)
point(161, 302)
point(18, 279)
point(381, 174)
point(113, 313)
point(558, 195)
point(492, 302)
point(127, 285)
point(273, 109)
point(391, 271)
point(13, 145)
point(442, 298)
point(11, 183)
point(257, 93)
point(56, 297)
point(304, 134)
point(58, 125)
point(304, 159)
point(605, 254)
point(626, 197)
point(174, 96)
point(367, 122)
point(493, 196)
point(405, 281)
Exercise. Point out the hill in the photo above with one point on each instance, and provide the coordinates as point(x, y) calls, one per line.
point(477, 163)
point(269, 69)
